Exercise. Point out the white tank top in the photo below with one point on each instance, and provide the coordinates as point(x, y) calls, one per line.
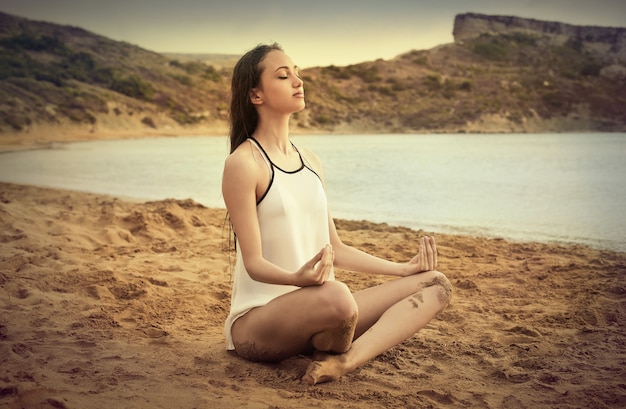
point(293, 219)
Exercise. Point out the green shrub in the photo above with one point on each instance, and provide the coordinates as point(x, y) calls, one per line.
point(554, 100)
point(591, 68)
point(134, 87)
point(449, 89)
point(12, 65)
point(337, 72)
point(183, 118)
point(575, 44)
point(466, 86)
point(27, 41)
point(146, 120)
point(77, 113)
point(210, 73)
point(421, 60)
point(433, 82)
point(16, 122)
point(396, 84)
point(79, 66)
point(322, 119)
point(491, 50)
point(183, 79)
point(103, 75)
point(51, 77)
point(386, 91)
point(521, 39)
point(177, 64)
point(367, 74)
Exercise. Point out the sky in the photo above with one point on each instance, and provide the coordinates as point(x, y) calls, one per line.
point(313, 32)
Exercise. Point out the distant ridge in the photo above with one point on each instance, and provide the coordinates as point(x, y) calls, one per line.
point(502, 74)
point(216, 60)
point(610, 41)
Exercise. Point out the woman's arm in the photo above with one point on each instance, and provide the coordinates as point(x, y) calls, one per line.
point(242, 174)
point(350, 258)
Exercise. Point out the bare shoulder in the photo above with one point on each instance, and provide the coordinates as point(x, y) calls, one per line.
point(315, 161)
point(243, 159)
point(242, 169)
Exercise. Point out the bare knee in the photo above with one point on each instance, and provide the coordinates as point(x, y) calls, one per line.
point(341, 314)
point(340, 302)
point(442, 287)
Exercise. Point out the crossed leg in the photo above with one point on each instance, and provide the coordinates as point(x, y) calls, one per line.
point(322, 317)
point(346, 329)
point(388, 314)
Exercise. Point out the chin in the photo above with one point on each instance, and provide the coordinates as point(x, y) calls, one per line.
point(296, 110)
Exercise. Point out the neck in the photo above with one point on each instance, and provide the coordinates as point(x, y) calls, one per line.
point(273, 133)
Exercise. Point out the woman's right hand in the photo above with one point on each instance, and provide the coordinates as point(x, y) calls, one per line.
point(316, 270)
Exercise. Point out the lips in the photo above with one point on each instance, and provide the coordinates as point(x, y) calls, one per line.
point(299, 94)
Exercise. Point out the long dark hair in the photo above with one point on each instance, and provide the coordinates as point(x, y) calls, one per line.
point(246, 75)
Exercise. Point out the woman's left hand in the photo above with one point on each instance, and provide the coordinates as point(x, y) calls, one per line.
point(426, 259)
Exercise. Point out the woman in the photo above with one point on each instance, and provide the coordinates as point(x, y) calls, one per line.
point(285, 299)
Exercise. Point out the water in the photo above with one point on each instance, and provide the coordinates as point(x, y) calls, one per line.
point(551, 188)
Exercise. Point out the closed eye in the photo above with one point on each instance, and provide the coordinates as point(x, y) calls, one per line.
point(285, 71)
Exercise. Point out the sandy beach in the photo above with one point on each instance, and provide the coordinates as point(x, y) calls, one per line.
point(112, 303)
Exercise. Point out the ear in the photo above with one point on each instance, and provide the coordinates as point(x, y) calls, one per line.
point(255, 96)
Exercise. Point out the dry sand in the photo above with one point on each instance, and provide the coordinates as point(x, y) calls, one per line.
point(113, 304)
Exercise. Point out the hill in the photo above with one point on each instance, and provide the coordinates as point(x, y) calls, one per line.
point(66, 79)
point(502, 74)
point(216, 60)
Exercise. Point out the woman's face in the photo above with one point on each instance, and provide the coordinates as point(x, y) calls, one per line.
point(280, 88)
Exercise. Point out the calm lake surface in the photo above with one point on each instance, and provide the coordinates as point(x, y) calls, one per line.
point(568, 188)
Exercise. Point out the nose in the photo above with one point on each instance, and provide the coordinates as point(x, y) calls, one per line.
point(298, 82)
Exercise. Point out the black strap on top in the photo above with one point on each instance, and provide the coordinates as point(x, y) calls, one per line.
point(302, 165)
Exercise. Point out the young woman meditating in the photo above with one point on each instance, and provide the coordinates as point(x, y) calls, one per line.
point(285, 299)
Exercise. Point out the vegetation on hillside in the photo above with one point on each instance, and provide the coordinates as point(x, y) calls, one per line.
point(55, 74)
point(515, 77)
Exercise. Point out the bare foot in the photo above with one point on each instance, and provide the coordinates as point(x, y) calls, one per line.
point(324, 368)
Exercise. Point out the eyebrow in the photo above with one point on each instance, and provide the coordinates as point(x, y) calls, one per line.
point(284, 67)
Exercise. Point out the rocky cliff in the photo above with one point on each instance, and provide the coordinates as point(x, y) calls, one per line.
point(607, 41)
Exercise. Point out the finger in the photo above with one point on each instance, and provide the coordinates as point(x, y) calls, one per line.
point(422, 255)
point(331, 263)
point(429, 254)
point(327, 254)
point(323, 269)
point(434, 245)
point(316, 258)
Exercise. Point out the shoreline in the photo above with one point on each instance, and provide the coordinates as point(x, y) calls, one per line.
point(56, 142)
point(105, 299)
point(19, 141)
point(45, 137)
point(448, 230)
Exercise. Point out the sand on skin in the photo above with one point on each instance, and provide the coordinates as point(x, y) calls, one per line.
point(104, 300)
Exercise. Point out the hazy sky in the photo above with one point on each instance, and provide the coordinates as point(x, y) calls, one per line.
point(313, 32)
